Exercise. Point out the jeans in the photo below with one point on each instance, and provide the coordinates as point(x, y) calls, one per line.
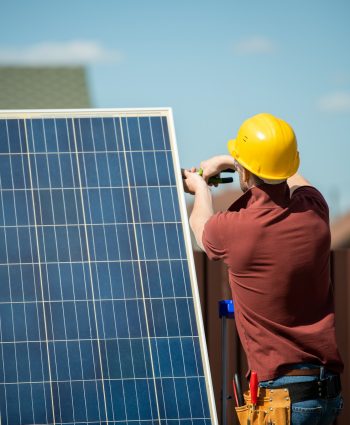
point(309, 412)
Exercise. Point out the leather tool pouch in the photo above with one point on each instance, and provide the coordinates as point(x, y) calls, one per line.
point(273, 407)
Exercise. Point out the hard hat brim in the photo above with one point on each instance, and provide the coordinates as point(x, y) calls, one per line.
point(231, 148)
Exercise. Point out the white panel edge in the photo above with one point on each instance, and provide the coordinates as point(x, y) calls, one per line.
point(192, 270)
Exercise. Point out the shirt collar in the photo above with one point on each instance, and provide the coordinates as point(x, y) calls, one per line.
point(263, 196)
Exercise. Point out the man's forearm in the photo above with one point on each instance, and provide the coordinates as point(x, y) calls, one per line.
point(226, 161)
point(296, 181)
point(202, 211)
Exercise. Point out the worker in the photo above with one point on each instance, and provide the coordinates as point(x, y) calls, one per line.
point(275, 240)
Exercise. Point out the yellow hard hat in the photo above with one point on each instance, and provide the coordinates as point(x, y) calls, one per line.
point(266, 146)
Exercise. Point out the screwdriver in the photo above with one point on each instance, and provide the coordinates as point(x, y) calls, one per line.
point(253, 386)
point(237, 389)
point(215, 179)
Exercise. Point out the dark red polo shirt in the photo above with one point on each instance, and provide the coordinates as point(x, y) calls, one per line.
point(277, 251)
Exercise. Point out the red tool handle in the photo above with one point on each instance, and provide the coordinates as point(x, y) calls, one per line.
point(253, 385)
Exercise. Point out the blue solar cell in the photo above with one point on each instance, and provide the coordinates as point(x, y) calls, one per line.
point(180, 278)
point(68, 170)
point(160, 141)
point(63, 395)
point(39, 176)
point(150, 275)
point(23, 208)
point(97, 317)
point(54, 170)
point(15, 136)
point(83, 140)
point(98, 136)
point(146, 134)
point(35, 327)
point(15, 279)
point(20, 175)
point(131, 132)
point(63, 135)
point(49, 135)
point(110, 135)
point(6, 175)
point(36, 136)
point(4, 146)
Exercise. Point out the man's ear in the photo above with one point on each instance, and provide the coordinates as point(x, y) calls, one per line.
point(246, 175)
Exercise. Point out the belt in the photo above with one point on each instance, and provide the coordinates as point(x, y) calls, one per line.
point(325, 388)
point(302, 372)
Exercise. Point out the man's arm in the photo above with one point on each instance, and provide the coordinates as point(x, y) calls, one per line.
point(297, 181)
point(203, 204)
point(216, 164)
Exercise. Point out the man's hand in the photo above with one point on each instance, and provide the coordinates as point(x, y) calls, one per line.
point(202, 206)
point(192, 181)
point(213, 166)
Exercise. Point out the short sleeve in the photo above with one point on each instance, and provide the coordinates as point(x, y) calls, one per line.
point(313, 199)
point(213, 237)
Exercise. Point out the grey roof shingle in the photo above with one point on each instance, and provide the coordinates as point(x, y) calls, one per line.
point(43, 88)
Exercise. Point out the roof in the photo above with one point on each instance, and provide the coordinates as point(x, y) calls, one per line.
point(43, 87)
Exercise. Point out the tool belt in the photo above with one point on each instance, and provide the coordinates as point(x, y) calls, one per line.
point(325, 388)
point(273, 407)
point(274, 404)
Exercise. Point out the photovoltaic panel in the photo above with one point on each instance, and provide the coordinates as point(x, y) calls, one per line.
point(99, 312)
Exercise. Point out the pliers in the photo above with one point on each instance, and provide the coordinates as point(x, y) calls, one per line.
point(216, 179)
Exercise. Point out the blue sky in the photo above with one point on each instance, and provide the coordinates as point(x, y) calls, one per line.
point(214, 62)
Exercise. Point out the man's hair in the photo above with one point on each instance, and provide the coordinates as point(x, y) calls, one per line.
point(257, 180)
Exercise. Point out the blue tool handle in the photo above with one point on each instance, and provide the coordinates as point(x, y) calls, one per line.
point(226, 309)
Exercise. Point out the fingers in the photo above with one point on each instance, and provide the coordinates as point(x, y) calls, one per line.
point(187, 173)
point(210, 167)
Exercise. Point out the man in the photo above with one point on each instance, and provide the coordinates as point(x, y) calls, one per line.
point(275, 240)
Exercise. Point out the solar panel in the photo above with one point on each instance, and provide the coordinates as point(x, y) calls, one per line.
point(99, 311)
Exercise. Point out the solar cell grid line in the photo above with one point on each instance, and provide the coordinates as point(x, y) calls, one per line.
point(119, 337)
point(142, 241)
point(61, 293)
point(94, 366)
point(38, 310)
point(165, 321)
point(162, 295)
point(92, 289)
point(76, 315)
point(92, 294)
point(53, 413)
point(86, 194)
point(46, 267)
point(143, 350)
point(109, 272)
point(11, 298)
point(61, 290)
point(104, 234)
point(196, 361)
point(128, 174)
point(27, 177)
